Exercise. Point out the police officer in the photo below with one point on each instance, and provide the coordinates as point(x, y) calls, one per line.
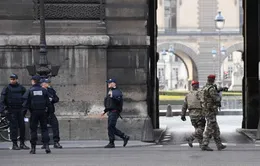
point(11, 100)
point(113, 106)
point(192, 103)
point(37, 101)
point(210, 102)
point(51, 116)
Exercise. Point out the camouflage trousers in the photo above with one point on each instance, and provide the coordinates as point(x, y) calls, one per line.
point(212, 128)
point(198, 122)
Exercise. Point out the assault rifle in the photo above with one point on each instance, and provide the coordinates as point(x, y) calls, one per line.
point(220, 90)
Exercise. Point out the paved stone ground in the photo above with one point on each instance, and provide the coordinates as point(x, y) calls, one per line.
point(228, 126)
point(84, 144)
point(168, 155)
point(240, 151)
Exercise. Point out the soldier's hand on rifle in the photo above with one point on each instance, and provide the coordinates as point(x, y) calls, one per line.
point(218, 104)
point(183, 118)
point(225, 89)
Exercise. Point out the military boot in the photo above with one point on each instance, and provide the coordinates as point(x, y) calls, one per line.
point(206, 148)
point(57, 145)
point(33, 149)
point(221, 147)
point(126, 139)
point(23, 146)
point(15, 146)
point(190, 141)
point(110, 145)
point(47, 149)
point(200, 143)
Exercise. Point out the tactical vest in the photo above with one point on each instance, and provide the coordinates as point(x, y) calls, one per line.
point(207, 97)
point(14, 96)
point(113, 104)
point(38, 101)
point(193, 100)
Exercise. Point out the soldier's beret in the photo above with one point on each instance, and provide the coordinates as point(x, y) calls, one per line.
point(212, 76)
point(194, 82)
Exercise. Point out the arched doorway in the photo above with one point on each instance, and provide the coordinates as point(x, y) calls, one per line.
point(232, 67)
point(235, 47)
point(185, 54)
point(172, 72)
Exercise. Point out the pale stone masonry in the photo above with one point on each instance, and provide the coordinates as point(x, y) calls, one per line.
point(89, 53)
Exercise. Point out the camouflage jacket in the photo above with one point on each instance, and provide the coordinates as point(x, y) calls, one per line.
point(192, 103)
point(210, 96)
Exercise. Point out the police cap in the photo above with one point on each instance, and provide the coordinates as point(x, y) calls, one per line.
point(36, 78)
point(46, 81)
point(13, 76)
point(111, 80)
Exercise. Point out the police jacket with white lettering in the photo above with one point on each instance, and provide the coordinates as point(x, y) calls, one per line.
point(36, 99)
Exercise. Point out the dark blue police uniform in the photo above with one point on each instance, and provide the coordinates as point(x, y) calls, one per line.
point(37, 101)
point(113, 106)
point(52, 119)
point(12, 100)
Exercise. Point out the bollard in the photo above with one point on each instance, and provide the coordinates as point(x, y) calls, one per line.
point(148, 131)
point(169, 111)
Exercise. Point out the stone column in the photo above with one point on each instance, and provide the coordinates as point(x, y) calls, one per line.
point(127, 60)
point(251, 40)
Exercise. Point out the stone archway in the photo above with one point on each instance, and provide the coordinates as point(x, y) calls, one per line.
point(236, 74)
point(186, 54)
point(235, 47)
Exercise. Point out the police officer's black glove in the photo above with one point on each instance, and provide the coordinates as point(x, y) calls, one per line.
point(106, 110)
point(4, 113)
point(24, 111)
point(183, 118)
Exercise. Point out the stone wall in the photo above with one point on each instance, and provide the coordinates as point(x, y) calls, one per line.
point(81, 80)
point(89, 53)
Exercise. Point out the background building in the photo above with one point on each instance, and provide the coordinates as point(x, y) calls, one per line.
point(171, 72)
point(189, 27)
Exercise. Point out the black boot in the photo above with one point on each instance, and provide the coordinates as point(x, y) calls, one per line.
point(23, 146)
point(33, 149)
point(221, 147)
point(126, 138)
point(15, 146)
point(57, 145)
point(190, 142)
point(43, 146)
point(206, 148)
point(110, 145)
point(47, 149)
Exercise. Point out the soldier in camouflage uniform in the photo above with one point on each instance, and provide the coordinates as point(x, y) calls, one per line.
point(192, 103)
point(210, 102)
